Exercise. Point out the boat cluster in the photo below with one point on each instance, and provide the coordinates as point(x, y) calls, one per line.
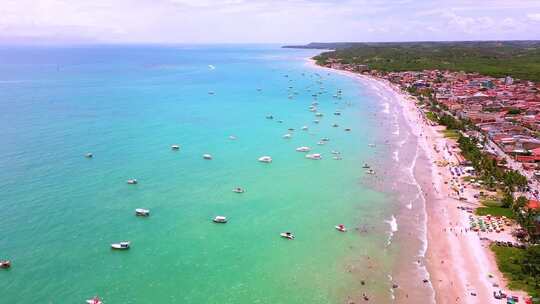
point(221, 219)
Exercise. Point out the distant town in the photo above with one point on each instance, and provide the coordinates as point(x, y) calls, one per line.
point(506, 110)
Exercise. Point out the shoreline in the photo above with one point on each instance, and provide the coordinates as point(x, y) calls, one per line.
point(460, 267)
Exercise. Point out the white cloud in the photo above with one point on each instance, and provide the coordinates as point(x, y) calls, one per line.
point(268, 20)
point(534, 17)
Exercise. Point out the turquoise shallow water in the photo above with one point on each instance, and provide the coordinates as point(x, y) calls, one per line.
point(127, 105)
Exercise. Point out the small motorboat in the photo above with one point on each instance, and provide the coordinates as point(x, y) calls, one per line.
point(5, 264)
point(335, 125)
point(269, 117)
point(175, 147)
point(211, 93)
point(94, 300)
point(121, 245)
point(265, 159)
point(287, 136)
point(325, 139)
point(316, 121)
point(370, 171)
point(348, 129)
point(304, 128)
point(371, 145)
point(315, 156)
point(142, 212)
point(238, 190)
point(303, 149)
point(207, 156)
point(291, 129)
point(336, 152)
point(337, 113)
point(220, 219)
point(319, 114)
point(341, 228)
point(89, 155)
point(232, 137)
point(287, 235)
point(337, 157)
point(365, 166)
point(280, 121)
point(132, 181)
point(320, 143)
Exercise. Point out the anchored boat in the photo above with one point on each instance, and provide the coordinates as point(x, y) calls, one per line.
point(142, 212)
point(341, 228)
point(287, 235)
point(265, 159)
point(121, 246)
point(220, 219)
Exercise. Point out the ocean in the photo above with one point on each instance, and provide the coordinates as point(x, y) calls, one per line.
point(127, 105)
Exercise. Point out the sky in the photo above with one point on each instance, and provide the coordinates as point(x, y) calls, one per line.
point(265, 21)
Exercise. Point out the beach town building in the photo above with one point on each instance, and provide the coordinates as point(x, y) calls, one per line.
point(505, 110)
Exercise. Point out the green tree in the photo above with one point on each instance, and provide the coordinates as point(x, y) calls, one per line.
point(507, 200)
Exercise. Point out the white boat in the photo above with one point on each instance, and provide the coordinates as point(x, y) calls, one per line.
point(94, 300)
point(142, 212)
point(337, 157)
point(318, 114)
point(370, 171)
point(336, 152)
point(287, 136)
point(303, 149)
point(220, 219)
point(175, 147)
point(304, 128)
point(232, 137)
point(132, 181)
point(315, 156)
point(320, 143)
point(265, 159)
point(5, 264)
point(365, 166)
point(341, 228)
point(89, 155)
point(238, 190)
point(207, 156)
point(121, 246)
point(371, 145)
point(287, 235)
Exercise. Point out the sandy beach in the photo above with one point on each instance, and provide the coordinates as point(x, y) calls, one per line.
point(461, 267)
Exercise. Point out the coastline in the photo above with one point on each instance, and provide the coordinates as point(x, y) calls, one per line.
point(460, 267)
